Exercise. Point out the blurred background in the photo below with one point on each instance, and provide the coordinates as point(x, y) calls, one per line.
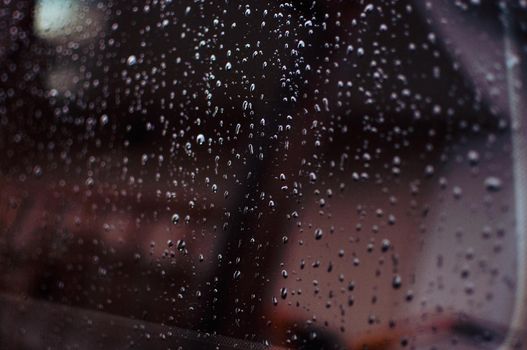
point(316, 174)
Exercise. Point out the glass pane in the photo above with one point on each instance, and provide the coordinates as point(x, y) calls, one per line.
point(303, 175)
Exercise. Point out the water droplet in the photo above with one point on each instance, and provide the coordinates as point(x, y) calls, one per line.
point(104, 119)
point(132, 60)
point(385, 245)
point(318, 234)
point(181, 245)
point(493, 184)
point(175, 218)
point(457, 192)
point(397, 282)
point(473, 157)
point(283, 293)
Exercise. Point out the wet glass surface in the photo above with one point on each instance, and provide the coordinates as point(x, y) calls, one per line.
point(236, 175)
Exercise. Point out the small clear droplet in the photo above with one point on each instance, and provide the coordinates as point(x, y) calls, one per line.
point(283, 293)
point(132, 60)
point(181, 245)
point(493, 184)
point(397, 282)
point(104, 119)
point(318, 234)
point(175, 218)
